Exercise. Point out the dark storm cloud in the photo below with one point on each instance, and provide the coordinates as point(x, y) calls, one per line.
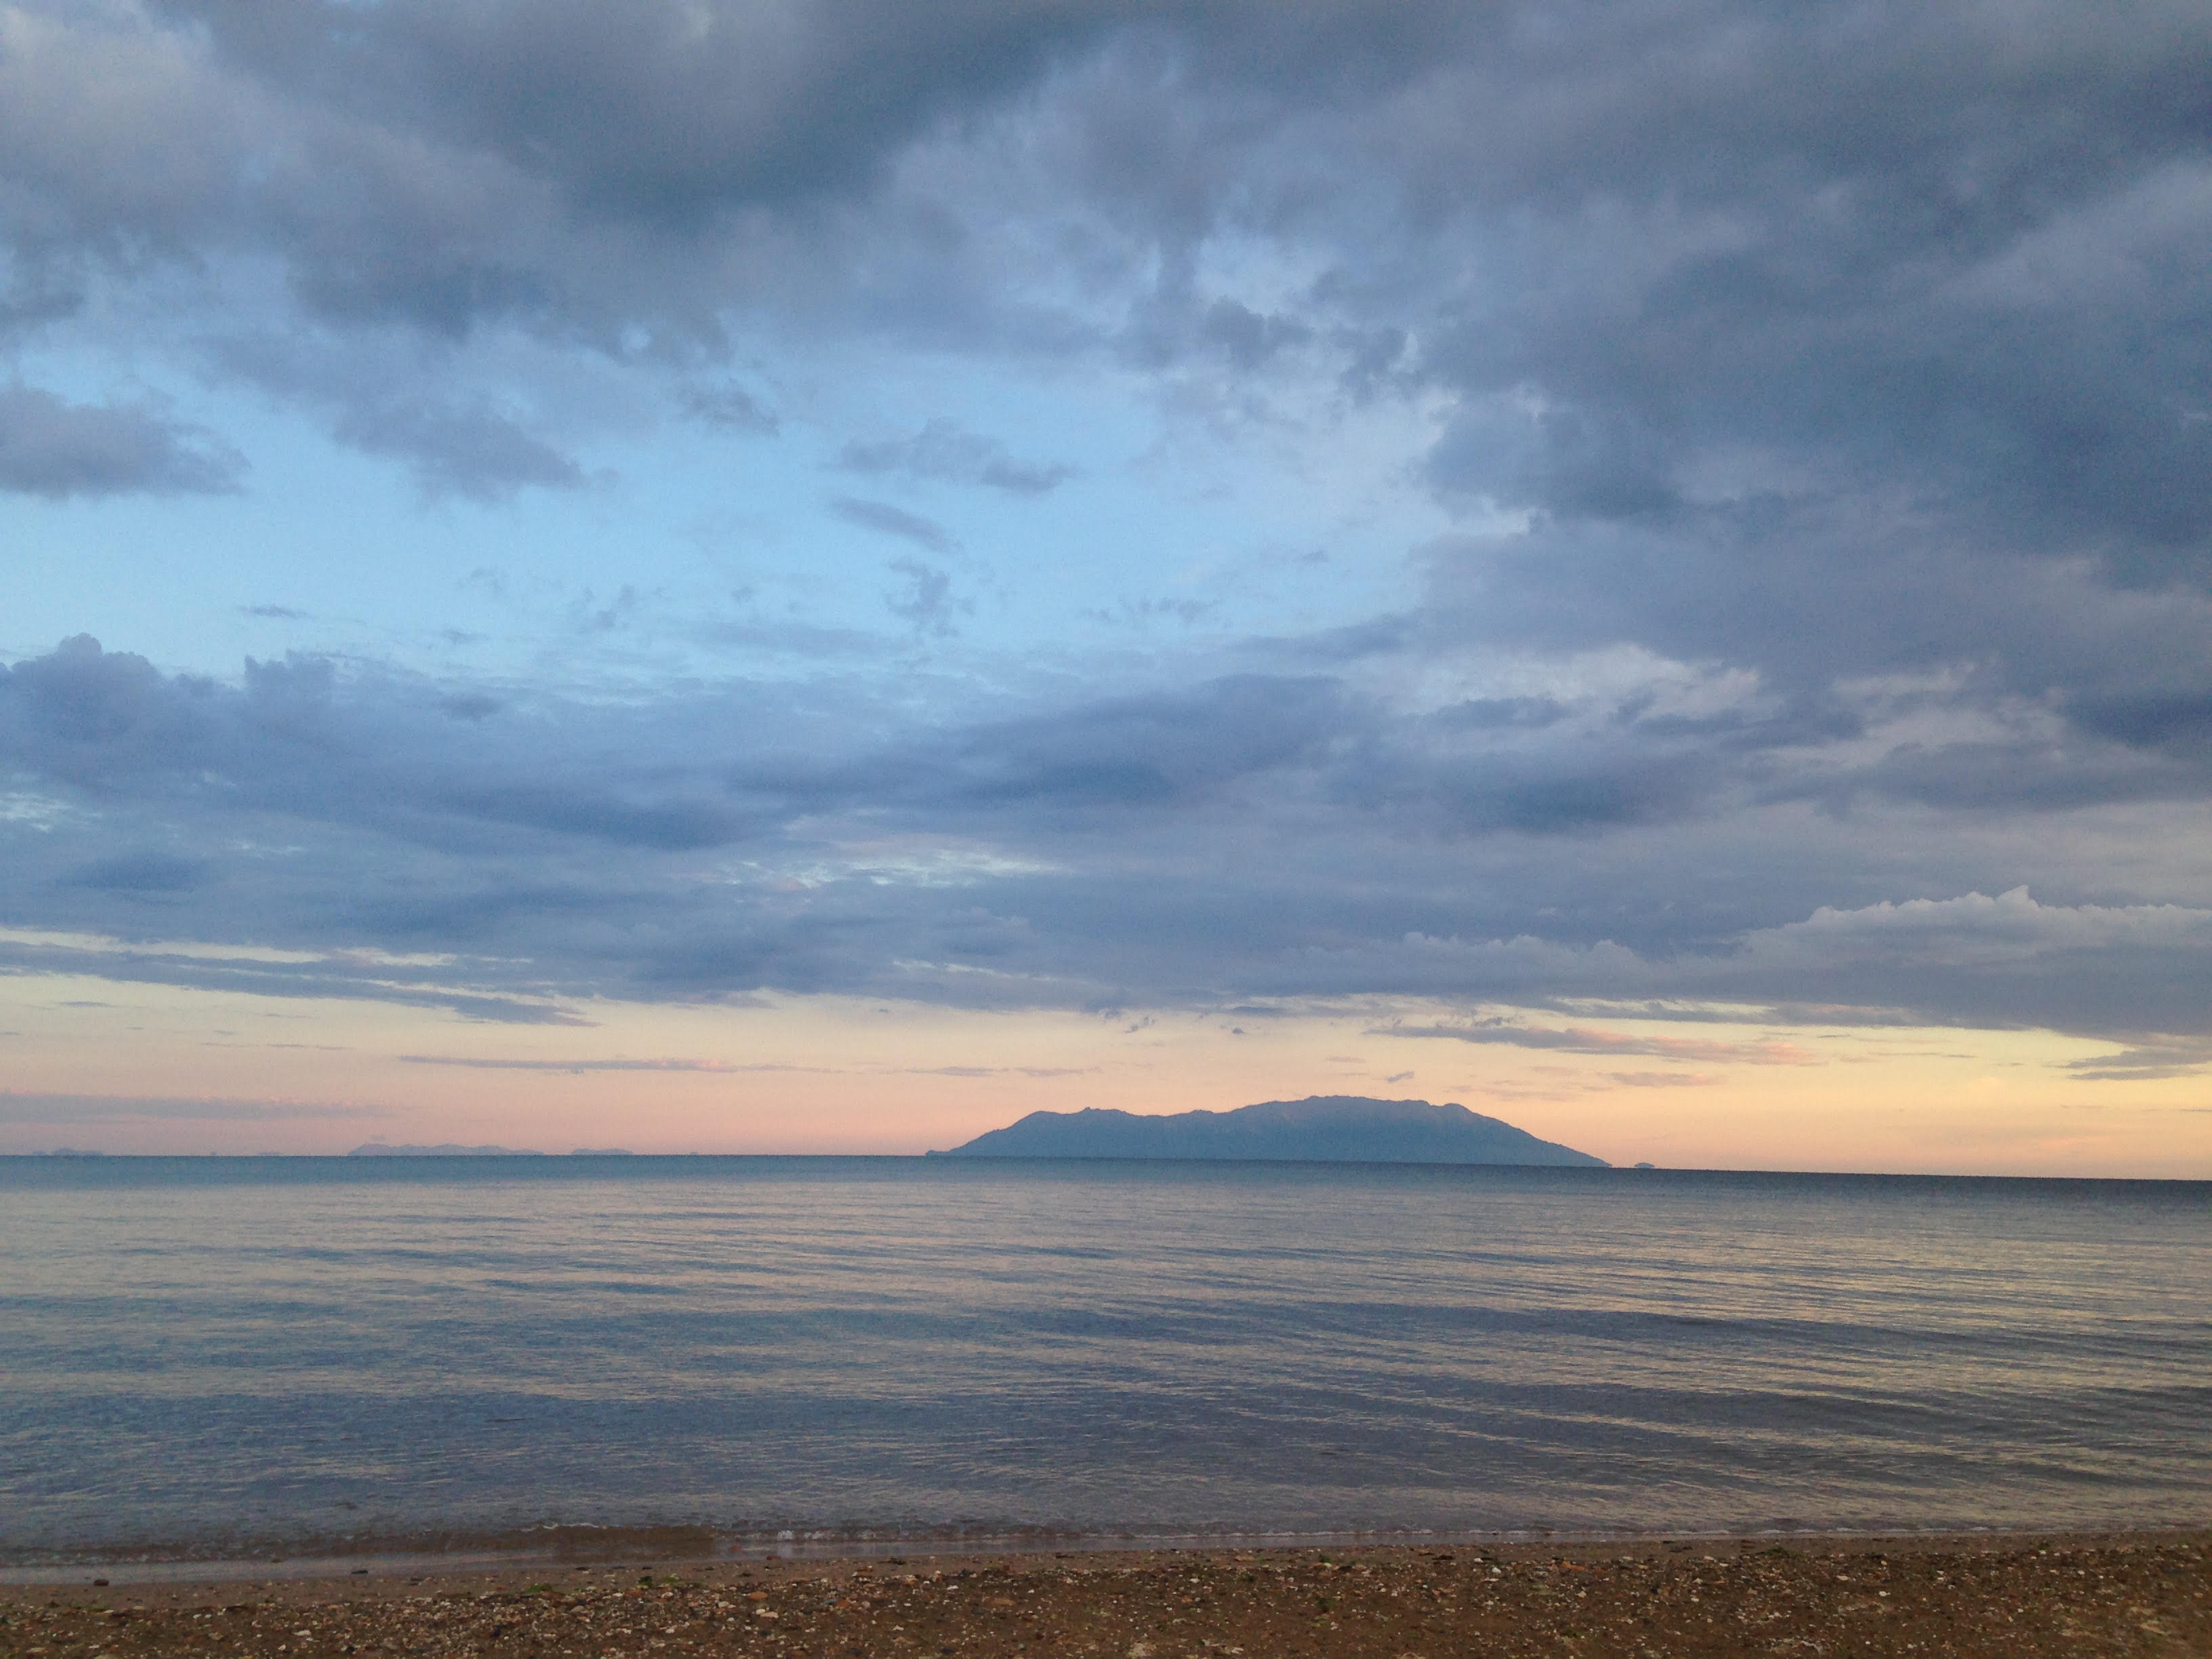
point(444, 166)
point(1666, 262)
point(1470, 791)
point(2013, 776)
point(140, 872)
point(666, 114)
point(1136, 750)
point(291, 739)
point(1808, 594)
point(52, 447)
point(1202, 847)
point(2180, 723)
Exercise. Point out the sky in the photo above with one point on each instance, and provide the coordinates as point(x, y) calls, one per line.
point(816, 575)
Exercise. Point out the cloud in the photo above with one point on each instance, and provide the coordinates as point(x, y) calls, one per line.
point(475, 453)
point(2146, 1062)
point(1000, 1070)
point(45, 1108)
point(1704, 290)
point(944, 450)
point(1588, 1040)
point(891, 520)
point(1976, 929)
point(1133, 750)
point(731, 407)
point(369, 833)
point(377, 391)
point(140, 872)
point(1697, 226)
point(1801, 415)
point(579, 1067)
point(926, 600)
point(57, 449)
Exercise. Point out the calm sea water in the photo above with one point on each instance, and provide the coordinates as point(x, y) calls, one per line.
point(214, 1354)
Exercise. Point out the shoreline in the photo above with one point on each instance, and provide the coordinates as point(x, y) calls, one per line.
point(668, 1549)
point(2005, 1595)
point(803, 1557)
point(525, 1162)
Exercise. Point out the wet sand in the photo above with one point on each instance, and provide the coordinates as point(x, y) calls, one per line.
point(2008, 1597)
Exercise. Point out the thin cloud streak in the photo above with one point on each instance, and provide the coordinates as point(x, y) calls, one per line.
point(1585, 1040)
point(479, 1063)
point(60, 1110)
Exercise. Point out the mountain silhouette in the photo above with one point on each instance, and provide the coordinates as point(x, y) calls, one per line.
point(1332, 1128)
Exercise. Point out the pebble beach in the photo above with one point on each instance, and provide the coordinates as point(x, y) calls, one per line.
point(2008, 1597)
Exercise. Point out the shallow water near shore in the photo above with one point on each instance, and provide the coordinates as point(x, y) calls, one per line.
point(220, 1356)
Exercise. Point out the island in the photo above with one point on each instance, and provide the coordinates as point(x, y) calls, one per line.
point(447, 1149)
point(1323, 1128)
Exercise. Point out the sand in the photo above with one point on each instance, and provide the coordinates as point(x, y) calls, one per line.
point(2010, 1597)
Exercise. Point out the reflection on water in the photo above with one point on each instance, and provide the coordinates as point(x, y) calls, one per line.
point(207, 1350)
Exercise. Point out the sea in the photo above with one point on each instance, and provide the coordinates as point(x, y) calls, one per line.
point(212, 1359)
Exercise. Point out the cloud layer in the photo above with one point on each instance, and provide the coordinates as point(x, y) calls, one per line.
point(1819, 402)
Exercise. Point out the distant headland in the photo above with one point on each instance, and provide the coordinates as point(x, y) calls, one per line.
point(1324, 1128)
point(449, 1149)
